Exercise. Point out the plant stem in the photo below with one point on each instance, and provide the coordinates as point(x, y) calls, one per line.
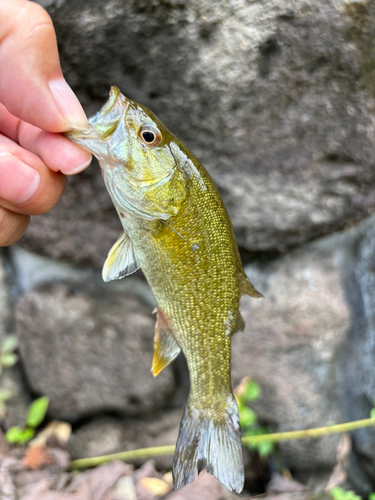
point(158, 451)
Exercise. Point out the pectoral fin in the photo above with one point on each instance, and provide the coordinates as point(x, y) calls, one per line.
point(121, 261)
point(166, 348)
point(246, 288)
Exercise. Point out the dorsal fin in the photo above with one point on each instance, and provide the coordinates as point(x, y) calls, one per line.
point(121, 261)
point(246, 288)
point(166, 348)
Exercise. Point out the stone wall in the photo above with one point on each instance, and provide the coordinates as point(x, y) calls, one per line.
point(277, 99)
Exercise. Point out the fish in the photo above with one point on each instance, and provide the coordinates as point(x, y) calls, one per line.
point(176, 228)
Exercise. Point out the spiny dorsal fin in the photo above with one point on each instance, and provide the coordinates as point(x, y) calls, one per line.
point(121, 261)
point(166, 348)
point(246, 288)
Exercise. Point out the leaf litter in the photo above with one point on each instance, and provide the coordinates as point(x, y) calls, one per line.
point(41, 472)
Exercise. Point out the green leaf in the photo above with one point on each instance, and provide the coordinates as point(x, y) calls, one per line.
point(253, 391)
point(265, 449)
point(26, 435)
point(372, 415)
point(37, 411)
point(8, 359)
point(340, 494)
point(13, 435)
point(247, 417)
point(371, 496)
point(9, 344)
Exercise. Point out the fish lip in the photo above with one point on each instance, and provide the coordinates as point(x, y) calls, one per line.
point(106, 118)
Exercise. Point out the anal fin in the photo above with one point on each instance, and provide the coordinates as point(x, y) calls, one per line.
point(166, 348)
point(240, 324)
point(246, 288)
point(121, 261)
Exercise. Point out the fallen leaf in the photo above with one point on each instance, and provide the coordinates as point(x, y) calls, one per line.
point(204, 487)
point(154, 485)
point(51, 495)
point(61, 431)
point(7, 489)
point(37, 457)
point(280, 484)
point(339, 475)
point(125, 489)
point(97, 482)
point(147, 470)
point(168, 478)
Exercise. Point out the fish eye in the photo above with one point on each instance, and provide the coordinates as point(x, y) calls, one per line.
point(150, 136)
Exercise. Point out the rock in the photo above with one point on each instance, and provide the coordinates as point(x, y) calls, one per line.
point(276, 98)
point(291, 343)
point(88, 347)
point(16, 407)
point(357, 358)
point(105, 435)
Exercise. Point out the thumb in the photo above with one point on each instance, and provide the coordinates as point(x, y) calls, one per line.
point(32, 86)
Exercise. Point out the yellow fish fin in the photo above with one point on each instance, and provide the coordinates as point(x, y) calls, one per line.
point(246, 288)
point(166, 348)
point(121, 260)
point(240, 324)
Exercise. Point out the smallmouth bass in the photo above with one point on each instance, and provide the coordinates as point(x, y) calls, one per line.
point(177, 229)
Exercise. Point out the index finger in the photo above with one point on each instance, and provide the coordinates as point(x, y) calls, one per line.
point(32, 86)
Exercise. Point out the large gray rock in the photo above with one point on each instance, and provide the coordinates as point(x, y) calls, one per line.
point(111, 435)
point(275, 97)
point(291, 344)
point(89, 348)
point(357, 367)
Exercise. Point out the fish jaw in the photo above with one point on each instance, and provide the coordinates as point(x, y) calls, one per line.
point(99, 137)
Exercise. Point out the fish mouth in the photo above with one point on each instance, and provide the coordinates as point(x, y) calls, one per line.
point(102, 124)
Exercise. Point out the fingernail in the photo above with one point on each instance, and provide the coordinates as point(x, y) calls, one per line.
point(68, 104)
point(81, 167)
point(18, 181)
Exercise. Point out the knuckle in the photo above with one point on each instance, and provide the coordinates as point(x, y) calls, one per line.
point(12, 226)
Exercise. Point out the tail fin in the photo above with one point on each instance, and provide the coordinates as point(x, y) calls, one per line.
point(210, 440)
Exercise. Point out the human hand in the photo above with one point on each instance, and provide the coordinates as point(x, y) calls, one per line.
point(35, 105)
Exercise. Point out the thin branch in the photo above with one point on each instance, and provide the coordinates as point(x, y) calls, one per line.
point(158, 451)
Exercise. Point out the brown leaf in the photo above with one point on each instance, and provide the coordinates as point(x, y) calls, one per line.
point(51, 495)
point(280, 484)
point(7, 489)
point(37, 457)
point(147, 470)
point(124, 489)
point(59, 431)
point(154, 485)
point(95, 484)
point(204, 487)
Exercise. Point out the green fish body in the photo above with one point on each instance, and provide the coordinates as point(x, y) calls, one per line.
point(177, 230)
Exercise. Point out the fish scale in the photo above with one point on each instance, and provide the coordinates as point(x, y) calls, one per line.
point(177, 230)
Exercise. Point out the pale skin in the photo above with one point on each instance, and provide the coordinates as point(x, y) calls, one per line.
point(36, 105)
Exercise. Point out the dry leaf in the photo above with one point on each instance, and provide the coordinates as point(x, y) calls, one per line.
point(97, 482)
point(280, 484)
point(37, 457)
point(204, 487)
point(61, 431)
point(154, 485)
point(125, 489)
point(168, 478)
point(338, 475)
point(147, 470)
